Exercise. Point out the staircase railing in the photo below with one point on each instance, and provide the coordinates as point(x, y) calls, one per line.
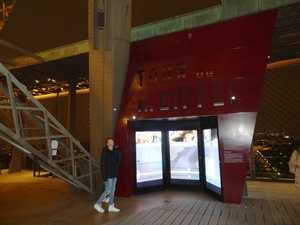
point(29, 127)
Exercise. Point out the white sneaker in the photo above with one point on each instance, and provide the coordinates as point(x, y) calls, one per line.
point(106, 200)
point(112, 208)
point(98, 208)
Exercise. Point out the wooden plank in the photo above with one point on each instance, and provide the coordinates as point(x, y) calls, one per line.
point(241, 214)
point(251, 212)
point(274, 213)
point(147, 219)
point(283, 213)
point(290, 212)
point(165, 216)
point(163, 210)
point(188, 218)
point(296, 206)
point(184, 213)
point(172, 217)
point(249, 208)
point(152, 218)
point(267, 215)
point(216, 214)
point(133, 218)
point(225, 212)
point(258, 212)
point(233, 214)
point(208, 213)
point(197, 217)
point(168, 212)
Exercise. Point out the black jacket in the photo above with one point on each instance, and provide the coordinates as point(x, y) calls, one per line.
point(110, 162)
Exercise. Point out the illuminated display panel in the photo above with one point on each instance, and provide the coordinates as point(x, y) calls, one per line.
point(212, 159)
point(148, 156)
point(184, 159)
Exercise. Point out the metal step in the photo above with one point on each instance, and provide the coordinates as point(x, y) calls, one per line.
point(27, 125)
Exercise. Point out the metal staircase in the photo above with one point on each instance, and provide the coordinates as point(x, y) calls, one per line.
point(27, 125)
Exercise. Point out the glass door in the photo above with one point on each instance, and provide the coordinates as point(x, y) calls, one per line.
point(212, 160)
point(149, 160)
point(184, 156)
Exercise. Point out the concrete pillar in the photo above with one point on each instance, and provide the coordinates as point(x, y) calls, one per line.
point(72, 107)
point(108, 61)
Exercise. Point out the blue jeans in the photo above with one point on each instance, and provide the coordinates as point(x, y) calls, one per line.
point(110, 188)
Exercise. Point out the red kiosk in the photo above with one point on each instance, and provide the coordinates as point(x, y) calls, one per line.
point(196, 93)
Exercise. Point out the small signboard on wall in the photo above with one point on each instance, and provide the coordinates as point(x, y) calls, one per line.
point(54, 147)
point(100, 19)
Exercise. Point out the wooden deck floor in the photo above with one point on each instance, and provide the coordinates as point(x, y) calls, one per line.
point(251, 212)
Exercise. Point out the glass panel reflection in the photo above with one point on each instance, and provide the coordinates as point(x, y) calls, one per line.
point(212, 160)
point(184, 159)
point(148, 156)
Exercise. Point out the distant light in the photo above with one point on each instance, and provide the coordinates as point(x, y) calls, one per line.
point(115, 109)
point(134, 117)
point(49, 79)
point(233, 98)
point(37, 81)
point(269, 57)
point(53, 80)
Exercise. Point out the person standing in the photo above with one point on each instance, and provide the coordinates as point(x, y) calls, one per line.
point(110, 162)
point(294, 166)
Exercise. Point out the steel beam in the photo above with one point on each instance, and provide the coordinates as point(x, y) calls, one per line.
point(229, 9)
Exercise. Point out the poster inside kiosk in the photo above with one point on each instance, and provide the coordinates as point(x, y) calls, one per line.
point(54, 147)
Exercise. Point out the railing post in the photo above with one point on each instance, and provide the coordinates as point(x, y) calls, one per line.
point(72, 157)
point(13, 105)
point(47, 133)
point(91, 175)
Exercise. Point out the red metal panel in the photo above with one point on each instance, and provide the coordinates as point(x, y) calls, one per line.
point(213, 70)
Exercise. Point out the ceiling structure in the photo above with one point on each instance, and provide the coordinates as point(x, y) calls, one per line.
point(53, 29)
point(41, 25)
point(145, 11)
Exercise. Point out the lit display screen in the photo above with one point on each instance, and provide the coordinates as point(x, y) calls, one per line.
point(148, 156)
point(184, 159)
point(212, 160)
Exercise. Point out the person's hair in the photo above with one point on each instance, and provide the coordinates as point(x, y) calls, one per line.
point(107, 139)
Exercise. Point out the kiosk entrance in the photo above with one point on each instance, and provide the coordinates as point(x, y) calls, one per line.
point(179, 152)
